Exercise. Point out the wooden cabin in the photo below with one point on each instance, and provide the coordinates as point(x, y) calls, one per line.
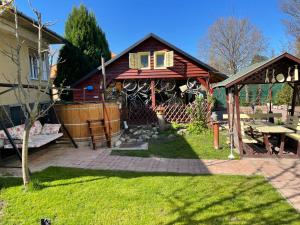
point(149, 73)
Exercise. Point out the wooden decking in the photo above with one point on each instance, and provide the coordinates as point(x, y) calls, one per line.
point(259, 151)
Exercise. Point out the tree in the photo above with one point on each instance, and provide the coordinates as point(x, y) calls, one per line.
point(284, 96)
point(232, 44)
point(31, 109)
point(292, 9)
point(86, 44)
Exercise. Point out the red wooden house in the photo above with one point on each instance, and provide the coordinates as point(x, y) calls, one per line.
point(150, 72)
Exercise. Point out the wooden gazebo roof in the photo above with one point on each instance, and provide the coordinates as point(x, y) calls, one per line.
point(256, 73)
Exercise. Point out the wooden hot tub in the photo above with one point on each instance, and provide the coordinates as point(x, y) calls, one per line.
point(75, 117)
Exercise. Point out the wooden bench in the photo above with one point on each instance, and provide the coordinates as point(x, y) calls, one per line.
point(293, 123)
point(245, 137)
point(256, 116)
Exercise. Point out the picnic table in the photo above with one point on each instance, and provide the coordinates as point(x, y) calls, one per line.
point(273, 129)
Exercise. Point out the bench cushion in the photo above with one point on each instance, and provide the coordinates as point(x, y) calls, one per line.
point(50, 128)
point(38, 140)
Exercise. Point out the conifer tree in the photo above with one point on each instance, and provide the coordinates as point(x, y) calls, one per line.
point(86, 42)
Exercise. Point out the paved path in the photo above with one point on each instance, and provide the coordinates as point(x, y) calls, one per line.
point(283, 174)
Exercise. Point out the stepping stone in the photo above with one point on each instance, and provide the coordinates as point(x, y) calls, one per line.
point(133, 146)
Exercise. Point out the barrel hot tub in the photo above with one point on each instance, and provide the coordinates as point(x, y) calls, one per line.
point(75, 117)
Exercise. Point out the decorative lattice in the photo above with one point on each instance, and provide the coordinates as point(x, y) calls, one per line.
point(179, 113)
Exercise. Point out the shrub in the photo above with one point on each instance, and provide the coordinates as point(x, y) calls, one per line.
point(197, 127)
point(284, 96)
point(177, 126)
point(199, 117)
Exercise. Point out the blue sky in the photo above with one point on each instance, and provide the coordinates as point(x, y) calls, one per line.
point(181, 22)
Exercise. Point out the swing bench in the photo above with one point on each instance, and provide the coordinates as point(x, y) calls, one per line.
point(39, 135)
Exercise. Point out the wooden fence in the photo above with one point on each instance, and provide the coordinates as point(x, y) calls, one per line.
point(179, 113)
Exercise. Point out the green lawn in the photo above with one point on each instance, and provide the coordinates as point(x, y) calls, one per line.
point(188, 146)
point(76, 196)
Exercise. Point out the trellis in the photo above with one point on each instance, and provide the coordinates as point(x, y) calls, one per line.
point(179, 113)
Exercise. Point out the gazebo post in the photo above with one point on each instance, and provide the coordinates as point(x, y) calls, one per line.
point(295, 89)
point(153, 100)
point(237, 121)
point(227, 101)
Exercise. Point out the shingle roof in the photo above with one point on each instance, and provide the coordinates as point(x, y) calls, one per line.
point(248, 71)
point(206, 66)
point(27, 23)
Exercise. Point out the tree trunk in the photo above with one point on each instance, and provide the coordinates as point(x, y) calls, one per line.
point(247, 99)
point(25, 169)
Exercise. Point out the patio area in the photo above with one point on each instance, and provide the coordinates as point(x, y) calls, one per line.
point(283, 174)
point(264, 134)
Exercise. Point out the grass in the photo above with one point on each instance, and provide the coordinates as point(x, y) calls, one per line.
point(77, 196)
point(188, 147)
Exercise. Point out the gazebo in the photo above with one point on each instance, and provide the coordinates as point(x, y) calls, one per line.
point(244, 128)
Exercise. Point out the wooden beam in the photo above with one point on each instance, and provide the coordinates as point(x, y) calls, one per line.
point(203, 82)
point(227, 101)
point(295, 91)
point(153, 99)
point(238, 120)
point(240, 88)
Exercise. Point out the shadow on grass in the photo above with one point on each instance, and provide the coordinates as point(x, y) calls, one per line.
point(233, 200)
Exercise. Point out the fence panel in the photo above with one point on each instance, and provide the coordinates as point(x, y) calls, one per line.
point(178, 113)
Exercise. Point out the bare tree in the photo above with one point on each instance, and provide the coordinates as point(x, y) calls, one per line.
point(292, 9)
point(232, 43)
point(29, 102)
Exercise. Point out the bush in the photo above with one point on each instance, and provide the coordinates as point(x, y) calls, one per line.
point(284, 96)
point(199, 117)
point(197, 127)
point(177, 126)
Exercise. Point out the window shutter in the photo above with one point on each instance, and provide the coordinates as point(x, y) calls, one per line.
point(133, 61)
point(170, 59)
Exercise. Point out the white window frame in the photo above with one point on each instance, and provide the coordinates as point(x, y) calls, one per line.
point(45, 75)
point(34, 66)
point(140, 54)
point(155, 57)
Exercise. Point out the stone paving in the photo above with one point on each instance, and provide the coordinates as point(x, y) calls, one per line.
point(283, 174)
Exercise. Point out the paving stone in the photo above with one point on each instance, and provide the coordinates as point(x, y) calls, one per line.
point(283, 174)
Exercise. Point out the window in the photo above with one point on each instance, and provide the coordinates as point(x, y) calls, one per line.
point(160, 60)
point(33, 61)
point(144, 60)
point(34, 65)
point(163, 59)
point(45, 67)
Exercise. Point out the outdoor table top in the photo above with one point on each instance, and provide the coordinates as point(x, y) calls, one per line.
point(274, 129)
point(259, 124)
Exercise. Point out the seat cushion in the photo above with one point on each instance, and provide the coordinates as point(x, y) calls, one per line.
point(50, 128)
point(38, 140)
point(36, 128)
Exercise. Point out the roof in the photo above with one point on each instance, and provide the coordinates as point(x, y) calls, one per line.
point(248, 71)
point(151, 35)
point(26, 22)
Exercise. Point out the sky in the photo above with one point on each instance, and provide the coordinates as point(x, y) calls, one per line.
point(181, 22)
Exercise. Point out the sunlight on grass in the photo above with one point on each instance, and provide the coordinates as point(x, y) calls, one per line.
point(76, 196)
point(188, 146)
